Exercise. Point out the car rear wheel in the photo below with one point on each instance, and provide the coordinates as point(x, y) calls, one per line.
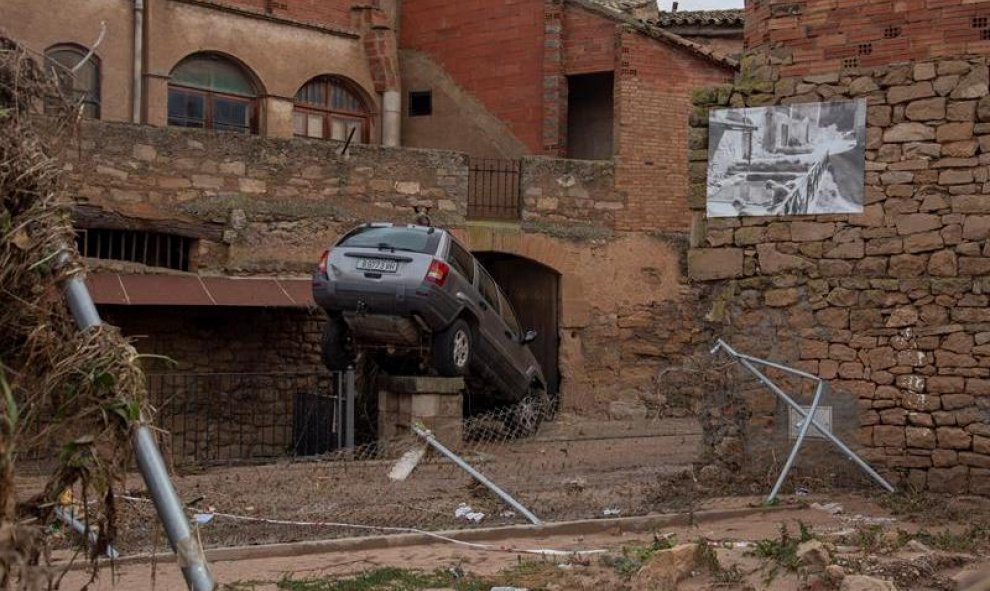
point(529, 413)
point(336, 350)
point(452, 349)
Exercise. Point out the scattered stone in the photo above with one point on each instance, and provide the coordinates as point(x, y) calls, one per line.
point(666, 568)
point(813, 555)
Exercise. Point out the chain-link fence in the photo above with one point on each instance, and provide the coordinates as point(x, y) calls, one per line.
point(558, 467)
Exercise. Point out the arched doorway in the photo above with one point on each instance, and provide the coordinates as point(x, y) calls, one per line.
point(534, 291)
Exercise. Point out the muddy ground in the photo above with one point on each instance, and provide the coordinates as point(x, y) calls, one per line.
point(914, 543)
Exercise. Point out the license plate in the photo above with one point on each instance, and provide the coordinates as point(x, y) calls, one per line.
point(378, 265)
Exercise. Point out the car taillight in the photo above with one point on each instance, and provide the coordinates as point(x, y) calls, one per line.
point(323, 263)
point(438, 272)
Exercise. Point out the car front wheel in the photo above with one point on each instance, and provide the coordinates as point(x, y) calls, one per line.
point(452, 349)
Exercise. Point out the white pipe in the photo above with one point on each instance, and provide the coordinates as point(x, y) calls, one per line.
point(136, 84)
point(391, 117)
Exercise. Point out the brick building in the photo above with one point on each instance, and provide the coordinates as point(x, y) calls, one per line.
point(889, 305)
point(573, 79)
point(210, 172)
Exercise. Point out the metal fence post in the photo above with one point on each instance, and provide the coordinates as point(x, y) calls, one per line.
point(170, 510)
point(349, 408)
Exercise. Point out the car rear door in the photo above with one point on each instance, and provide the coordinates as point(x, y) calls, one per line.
point(492, 330)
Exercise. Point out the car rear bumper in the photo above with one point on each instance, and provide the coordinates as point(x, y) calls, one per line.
point(432, 305)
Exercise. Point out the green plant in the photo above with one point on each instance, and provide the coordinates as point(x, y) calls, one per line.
point(781, 552)
point(635, 556)
point(379, 579)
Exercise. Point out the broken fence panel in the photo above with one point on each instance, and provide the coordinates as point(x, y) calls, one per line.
point(808, 417)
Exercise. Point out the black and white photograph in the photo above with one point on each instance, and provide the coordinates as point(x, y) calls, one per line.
point(786, 160)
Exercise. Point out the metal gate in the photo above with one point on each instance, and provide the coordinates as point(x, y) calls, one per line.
point(493, 189)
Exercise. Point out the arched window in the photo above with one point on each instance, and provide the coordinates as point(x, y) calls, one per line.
point(210, 91)
point(329, 107)
point(84, 84)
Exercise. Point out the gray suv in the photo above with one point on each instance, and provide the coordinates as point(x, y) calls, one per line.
point(414, 299)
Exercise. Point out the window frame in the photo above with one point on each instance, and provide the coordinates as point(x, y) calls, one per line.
point(92, 97)
point(482, 276)
point(327, 113)
point(452, 257)
point(210, 97)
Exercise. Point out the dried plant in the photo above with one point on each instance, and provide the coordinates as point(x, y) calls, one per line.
point(62, 392)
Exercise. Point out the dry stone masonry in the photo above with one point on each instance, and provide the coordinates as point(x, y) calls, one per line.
point(890, 305)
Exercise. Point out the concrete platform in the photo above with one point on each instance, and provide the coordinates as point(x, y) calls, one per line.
point(436, 403)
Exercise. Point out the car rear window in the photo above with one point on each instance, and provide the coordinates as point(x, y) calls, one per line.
point(409, 239)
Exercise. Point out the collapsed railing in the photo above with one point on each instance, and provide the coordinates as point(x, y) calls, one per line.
point(798, 201)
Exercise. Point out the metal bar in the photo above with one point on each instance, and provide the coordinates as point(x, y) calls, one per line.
point(787, 399)
point(190, 555)
point(430, 439)
point(349, 412)
point(338, 407)
point(797, 444)
point(70, 519)
point(149, 458)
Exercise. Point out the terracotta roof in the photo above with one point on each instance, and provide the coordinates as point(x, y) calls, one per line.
point(711, 18)
point(621, 11)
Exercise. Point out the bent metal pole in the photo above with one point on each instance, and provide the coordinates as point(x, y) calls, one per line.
point(186, 546)
point(428, 436)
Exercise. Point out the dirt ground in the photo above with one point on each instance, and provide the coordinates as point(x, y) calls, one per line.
point(574, 469)
point(916, 546)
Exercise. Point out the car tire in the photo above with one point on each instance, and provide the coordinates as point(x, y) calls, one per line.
point(336, 351)
point(452, 349)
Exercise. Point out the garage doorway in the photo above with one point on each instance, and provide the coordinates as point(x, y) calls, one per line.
point(534, 291)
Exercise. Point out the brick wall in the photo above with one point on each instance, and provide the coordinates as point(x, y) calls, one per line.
point(589, 41)
point(891, 305)
point(653, 94)
point(494, 51)
point(809, 36)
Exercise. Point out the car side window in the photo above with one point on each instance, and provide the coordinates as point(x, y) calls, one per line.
point(509, 316)
point(487, 288)
point(461, 260)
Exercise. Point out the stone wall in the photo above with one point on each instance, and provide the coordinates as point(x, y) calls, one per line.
point(229, 391)
point(278, 203)
point(891, 305)
point(271, 206)
point(562, 191)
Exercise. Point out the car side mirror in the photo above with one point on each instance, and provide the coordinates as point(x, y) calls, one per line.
point(529, 337)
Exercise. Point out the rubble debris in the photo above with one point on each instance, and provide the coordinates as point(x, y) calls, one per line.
point(830, 508)
point(666, 568)
point(813, 555)
point(407, 463)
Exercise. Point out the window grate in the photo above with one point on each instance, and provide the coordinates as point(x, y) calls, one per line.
point(865, 48)
point(892, 32)
point(154, 249)
point(980, 22)
point(985, 35)
point(850, 62)
point(493, 189)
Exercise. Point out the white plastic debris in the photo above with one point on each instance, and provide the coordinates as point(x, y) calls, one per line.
point(463, 511)
point(203, 518)
point(509, 589)
point(801, 491)
point(611, 512)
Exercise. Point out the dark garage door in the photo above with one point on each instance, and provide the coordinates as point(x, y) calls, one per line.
point(534, 291)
